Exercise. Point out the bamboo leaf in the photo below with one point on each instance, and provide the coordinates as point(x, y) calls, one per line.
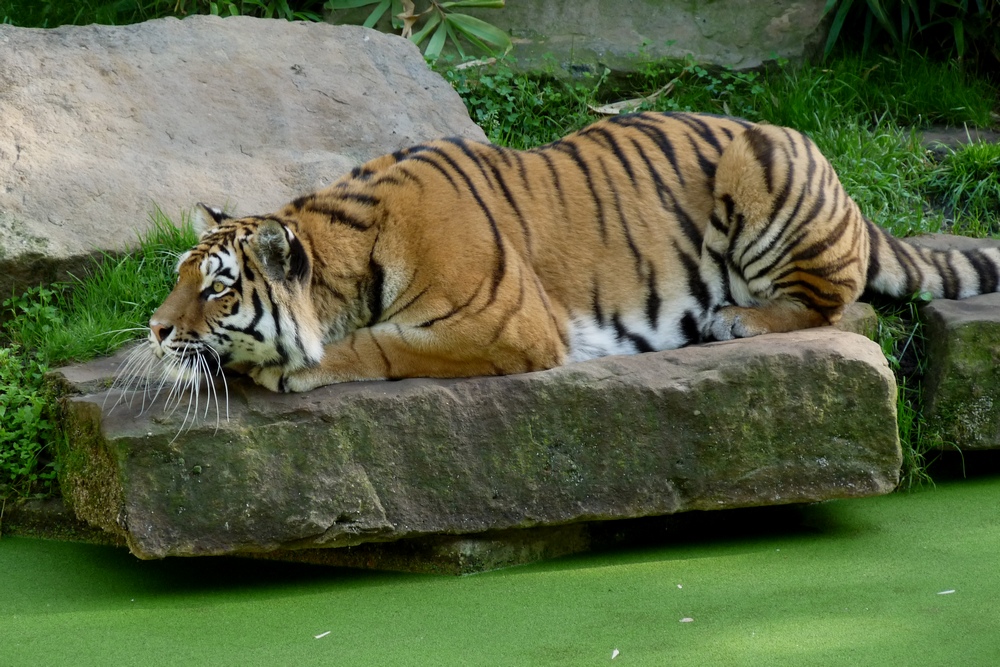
point(454, 38)
point(469, 25)
point(484, 4)
point(959, 29)
point(377, 13)
point(838, 23)
point(348, 4)
point(420, 35)
point(434, 46)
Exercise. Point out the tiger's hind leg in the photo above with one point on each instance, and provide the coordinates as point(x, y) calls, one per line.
point(785, 248)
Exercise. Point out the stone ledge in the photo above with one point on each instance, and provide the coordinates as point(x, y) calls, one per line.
point(776, 419)
point(962, 386)
point(962, 383)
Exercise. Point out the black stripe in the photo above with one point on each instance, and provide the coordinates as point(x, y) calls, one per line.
point(258, 312)
point(574, 153)
point(501, 268)
point(595, 298)
point(985, 268)
point(433, 163)
point(666, 146)
point(943, 268)
point(613, 144)
point(373, 290)
point(874, 261)
point(385, 358)
point(500, 178)
point(406, 305)
point(477, 159)
point(622, 219)
point(640, 343)
point(689, 328)
point(455, 310)
point(706, 165)
point(696, 286)
point(298, 260)
point(554, 173)
point(701, 128)
point(763, 150)
point(663, 191)
point(653, 300)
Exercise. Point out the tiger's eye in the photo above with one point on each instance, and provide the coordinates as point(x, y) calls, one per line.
point(218, 286)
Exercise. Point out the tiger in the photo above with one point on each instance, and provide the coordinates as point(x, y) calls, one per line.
point(455, 258)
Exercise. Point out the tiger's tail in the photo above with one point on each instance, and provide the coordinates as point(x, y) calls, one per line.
point(900, 269)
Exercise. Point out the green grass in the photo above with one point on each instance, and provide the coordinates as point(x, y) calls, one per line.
point(966, 185)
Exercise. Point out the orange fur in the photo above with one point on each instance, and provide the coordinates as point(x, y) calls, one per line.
point(455, 258)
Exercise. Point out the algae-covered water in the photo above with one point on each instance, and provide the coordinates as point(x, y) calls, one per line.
point(906, 579)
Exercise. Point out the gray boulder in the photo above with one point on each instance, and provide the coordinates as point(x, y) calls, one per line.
point(962, 388)
point(962, 385)
point(588, 35)
point(100, 124)
point(776, 419)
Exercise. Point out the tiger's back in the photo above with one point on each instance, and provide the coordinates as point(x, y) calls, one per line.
point(454, 258)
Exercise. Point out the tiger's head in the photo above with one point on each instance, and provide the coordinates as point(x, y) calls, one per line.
point(242, 299)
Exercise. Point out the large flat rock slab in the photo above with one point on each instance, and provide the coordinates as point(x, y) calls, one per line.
point(100, 124)
point(776, 419)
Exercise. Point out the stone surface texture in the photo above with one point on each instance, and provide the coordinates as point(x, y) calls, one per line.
point(588, 35)
point(962, 385)
point(776, 419)
point(100, 124)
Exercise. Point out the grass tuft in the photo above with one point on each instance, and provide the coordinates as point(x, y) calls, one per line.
point(966, 185)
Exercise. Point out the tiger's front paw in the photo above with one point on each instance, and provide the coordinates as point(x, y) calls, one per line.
point(735, 322)
point(269, 377)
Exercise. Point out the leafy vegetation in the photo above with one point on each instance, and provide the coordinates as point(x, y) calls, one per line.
point(944, 30)
point(49, 326)
point(436, 22)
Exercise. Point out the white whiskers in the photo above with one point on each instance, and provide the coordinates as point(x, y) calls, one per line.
point(181, 375)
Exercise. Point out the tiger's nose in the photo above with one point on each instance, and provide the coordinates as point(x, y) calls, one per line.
point(160, 331)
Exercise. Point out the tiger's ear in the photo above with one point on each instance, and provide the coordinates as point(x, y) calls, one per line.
point(279, 252)
point(204, 218)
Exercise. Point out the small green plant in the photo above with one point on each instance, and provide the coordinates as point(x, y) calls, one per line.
point(27, 413)
point(436, 22)
point(267, 9)
point(520, 110)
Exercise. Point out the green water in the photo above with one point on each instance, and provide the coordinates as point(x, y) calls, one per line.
point(841, 583)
